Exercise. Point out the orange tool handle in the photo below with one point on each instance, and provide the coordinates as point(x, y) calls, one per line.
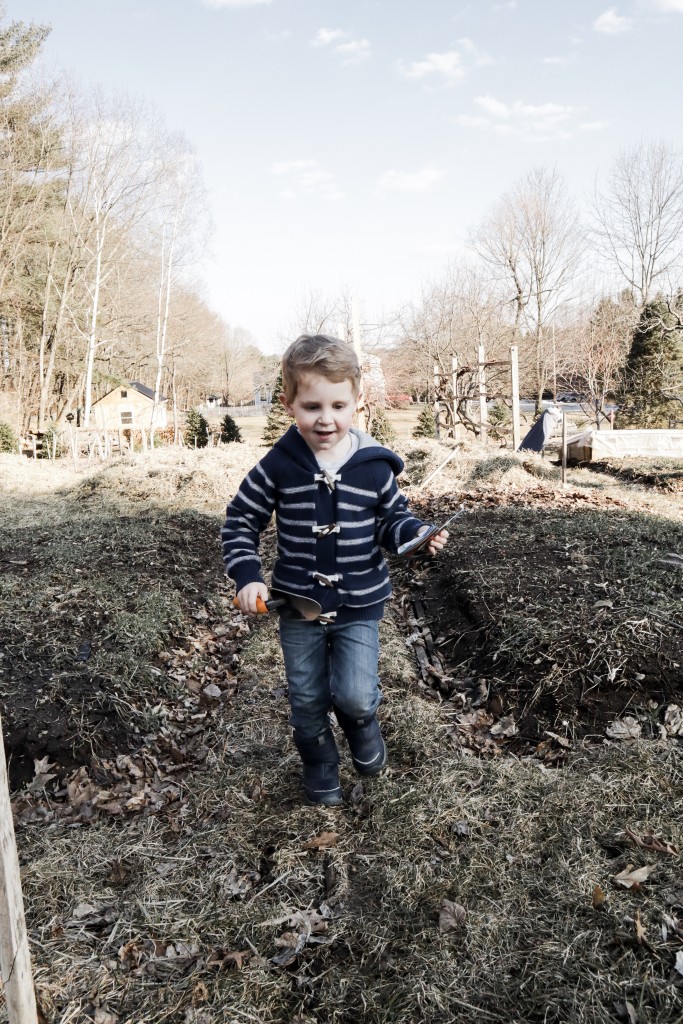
point(261, 606)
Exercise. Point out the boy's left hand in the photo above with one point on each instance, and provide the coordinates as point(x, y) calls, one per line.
point(437, 542)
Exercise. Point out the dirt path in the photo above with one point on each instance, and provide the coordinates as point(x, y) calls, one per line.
point(171, 872)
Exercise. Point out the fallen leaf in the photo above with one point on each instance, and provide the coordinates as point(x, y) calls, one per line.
point(630, 878)
point(200, 994)
point(673, 720)
point(640, 931)
point(626, 728)
point(212, 691)
point(452, 916)
point(650, 842)
point(219, 958)
point(598, 897)
point(504, 727)
point(103, 1016)
point(325, 841)
point(679, 961)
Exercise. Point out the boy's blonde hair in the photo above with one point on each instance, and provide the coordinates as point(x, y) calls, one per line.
point(323, 354)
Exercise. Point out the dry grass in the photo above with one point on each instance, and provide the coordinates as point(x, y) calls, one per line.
point(214, 908)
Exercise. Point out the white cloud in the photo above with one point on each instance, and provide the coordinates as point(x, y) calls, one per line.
point(285, 166)
point(325, 36)
point(306, 178)
point(354, 51)
point(528, 121)
point(450, 66)
point(611, 23)
point(592, 126)
point(217, 4)
point(559, 61)
point(479, 57)
point(511, 5)
point(669, 5)
point(423, 180)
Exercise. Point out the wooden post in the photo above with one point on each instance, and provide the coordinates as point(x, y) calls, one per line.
point(54, 445)
point(355, 324)
point(564, 449)
point(120, 442)
point(437, 407)
point(15, 961)
point(73, 446)
point(483, 409)
point(514, 386)
point(454, 390)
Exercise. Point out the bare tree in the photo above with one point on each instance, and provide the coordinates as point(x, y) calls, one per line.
point(593, 349)
point(533, 241)
point(638, 215)
point(120, 176)
point(182, 221)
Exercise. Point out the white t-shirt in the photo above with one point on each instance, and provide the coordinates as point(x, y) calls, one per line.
point(332, 467)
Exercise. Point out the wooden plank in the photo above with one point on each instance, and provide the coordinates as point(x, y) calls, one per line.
point(483, 409)
point(15, 962)
point(514, 385)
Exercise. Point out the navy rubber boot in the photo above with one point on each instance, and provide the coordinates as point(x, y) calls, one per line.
point(320, 759)
point(368, 750)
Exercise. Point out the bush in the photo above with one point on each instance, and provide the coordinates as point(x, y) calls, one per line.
point(230, 432)
point(425, 426)
point(164, 437)
point(499, 419)
point(196, 430)
point(381, 429)
point(279, 420)
point(51, 436)
point(8, 439)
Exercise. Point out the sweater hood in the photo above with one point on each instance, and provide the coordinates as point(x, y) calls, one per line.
point(293, 445)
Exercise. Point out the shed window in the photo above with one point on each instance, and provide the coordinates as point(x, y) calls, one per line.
point(124, 394)
point(126, 418)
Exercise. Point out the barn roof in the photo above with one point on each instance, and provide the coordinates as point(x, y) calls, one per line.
point(142, 389)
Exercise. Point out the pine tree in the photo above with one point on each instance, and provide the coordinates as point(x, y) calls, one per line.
point(230, 432)
point(654, 369)
point(278, 420)
point(196, 430)
point(381, 429)
point(425, 426)
point(8, 441)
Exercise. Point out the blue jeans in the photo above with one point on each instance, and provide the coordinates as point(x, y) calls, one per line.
point(329, 663)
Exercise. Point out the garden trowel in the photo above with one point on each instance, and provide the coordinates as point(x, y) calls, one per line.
point(306, 607)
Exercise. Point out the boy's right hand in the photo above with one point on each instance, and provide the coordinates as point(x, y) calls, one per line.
point(247, 597)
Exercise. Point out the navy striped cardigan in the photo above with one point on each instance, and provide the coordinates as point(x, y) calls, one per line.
point(329, 532)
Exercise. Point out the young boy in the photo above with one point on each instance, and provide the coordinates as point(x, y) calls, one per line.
point(336, 500)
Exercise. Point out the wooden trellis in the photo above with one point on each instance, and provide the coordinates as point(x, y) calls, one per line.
point(447, 397)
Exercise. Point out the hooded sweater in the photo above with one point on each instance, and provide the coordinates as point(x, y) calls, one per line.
point(329, 528)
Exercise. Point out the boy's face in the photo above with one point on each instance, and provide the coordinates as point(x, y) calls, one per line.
point(323, 411)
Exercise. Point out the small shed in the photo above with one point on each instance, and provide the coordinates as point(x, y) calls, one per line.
point(595, 445)
point(129, 407)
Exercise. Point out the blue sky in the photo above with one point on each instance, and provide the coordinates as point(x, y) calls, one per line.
point(352, 145)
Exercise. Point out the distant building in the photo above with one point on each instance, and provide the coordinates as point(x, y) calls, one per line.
point(129, 407)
